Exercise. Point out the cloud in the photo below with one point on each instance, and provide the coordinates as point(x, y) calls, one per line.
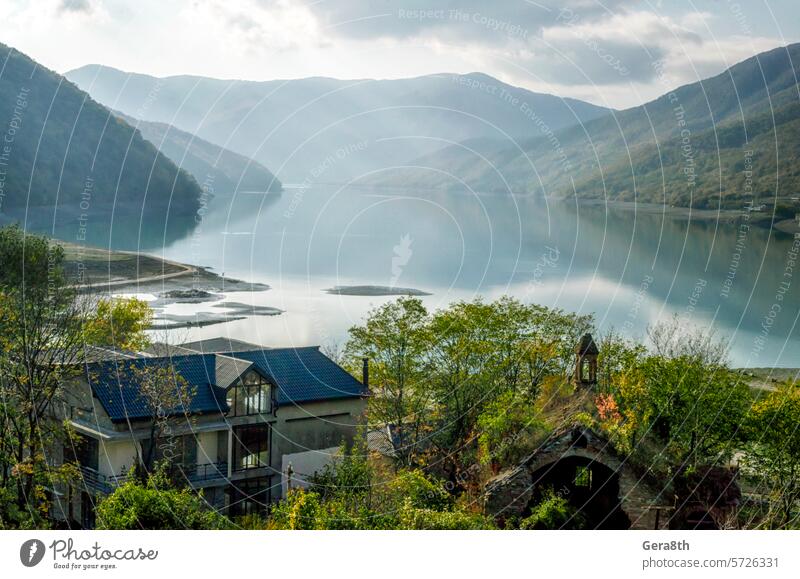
point(255, 26)
point(576, 42)
point(473, 21)
point(75, 6)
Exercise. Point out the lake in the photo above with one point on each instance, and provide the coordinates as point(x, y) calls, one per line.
point(628, 269)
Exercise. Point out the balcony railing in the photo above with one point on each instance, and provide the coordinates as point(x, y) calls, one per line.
point(206, 472)
point(101, 483)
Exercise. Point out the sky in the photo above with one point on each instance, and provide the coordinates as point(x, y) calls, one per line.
point(616, 53)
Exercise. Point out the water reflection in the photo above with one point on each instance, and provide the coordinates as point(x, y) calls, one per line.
point(628, 269)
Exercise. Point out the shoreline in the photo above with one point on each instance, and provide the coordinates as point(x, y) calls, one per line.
point(758, 219)
point(106, 270)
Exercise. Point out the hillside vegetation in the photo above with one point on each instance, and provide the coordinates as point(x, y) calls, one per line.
point(219, 169)
point(62, 149)
point(718, 142)
point(329, 130)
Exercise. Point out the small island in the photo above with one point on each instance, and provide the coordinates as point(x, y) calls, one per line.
point(374, 290)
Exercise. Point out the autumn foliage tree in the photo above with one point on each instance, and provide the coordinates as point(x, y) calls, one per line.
point(43, 341)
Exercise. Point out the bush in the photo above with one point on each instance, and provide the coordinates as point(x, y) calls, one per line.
point(416, 519)
point(553, 512)
point(153, 505)
point(300, 510)
point(416, 487)
point(409, 501)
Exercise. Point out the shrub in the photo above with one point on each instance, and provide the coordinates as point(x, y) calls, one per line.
point(154, 505)
point(298, 511)
point(553, 512)
point(412, 518)
point(416, 487)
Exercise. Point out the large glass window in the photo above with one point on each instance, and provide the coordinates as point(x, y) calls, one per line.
point(250, 446)
point(250, 397)
point(249, 496)
point(83, 450)
point(177, 450)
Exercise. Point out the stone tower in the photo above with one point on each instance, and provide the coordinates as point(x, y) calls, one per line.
point(586, 361)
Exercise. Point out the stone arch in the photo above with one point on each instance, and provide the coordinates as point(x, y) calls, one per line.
point(629, 500)
point(587, 484)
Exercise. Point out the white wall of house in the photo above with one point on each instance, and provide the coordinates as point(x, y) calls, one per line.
point(117, 456)
point(304, 465)
point(207, 447)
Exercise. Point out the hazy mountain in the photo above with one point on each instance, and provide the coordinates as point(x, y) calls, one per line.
point(690, 146)
point(322, 129)
point(65, 158)
point(218, 169)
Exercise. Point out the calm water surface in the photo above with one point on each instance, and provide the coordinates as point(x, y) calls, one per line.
point(628, 270)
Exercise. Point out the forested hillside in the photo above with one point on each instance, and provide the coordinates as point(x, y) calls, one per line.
point(223, 170)
point(721, 141)
point(61, 149)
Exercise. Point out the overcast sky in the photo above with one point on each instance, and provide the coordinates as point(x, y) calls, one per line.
point(616, 53)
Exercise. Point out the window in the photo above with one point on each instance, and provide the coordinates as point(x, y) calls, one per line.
point(252, 396)
point(250, 447)
point(583, 477)
point(178, 450)
point(249, 496)
point(83, 450)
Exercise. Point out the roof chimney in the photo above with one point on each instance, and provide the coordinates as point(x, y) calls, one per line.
point(365, 373)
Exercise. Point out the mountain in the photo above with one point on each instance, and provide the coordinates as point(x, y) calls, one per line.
point(220, 170)
point(322, 129)
point(66, 159)
point(723, 141)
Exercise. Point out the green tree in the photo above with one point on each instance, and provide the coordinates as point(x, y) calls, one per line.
point(395, 339)
point(773, 454)
point(506, 428)
point(120, 323)
point(43, 322)
point(480, 351)
point(681, 392)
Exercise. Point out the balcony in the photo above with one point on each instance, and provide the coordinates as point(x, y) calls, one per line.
point(96, 482)
point(206, 472)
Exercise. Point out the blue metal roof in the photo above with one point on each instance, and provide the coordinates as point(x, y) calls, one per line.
point(303, 374)
point(298, 374)
point(114, 383)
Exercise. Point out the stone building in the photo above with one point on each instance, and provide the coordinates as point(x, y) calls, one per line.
point(581, 465)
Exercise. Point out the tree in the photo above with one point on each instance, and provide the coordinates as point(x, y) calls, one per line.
point(434, 376)
point(43, 322)
point(395, 340)
point(120, 323)
point(481, 351)
point(506, 428)
point(165, 393)
point(348, 494)
point(773, 454)
point(681, 392)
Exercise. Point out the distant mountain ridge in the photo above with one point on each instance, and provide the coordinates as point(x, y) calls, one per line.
point(66, 157)
point(297, 127)
point(723, 141)
point(218, 169)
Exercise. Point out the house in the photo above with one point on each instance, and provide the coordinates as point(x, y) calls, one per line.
point(248, 410)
